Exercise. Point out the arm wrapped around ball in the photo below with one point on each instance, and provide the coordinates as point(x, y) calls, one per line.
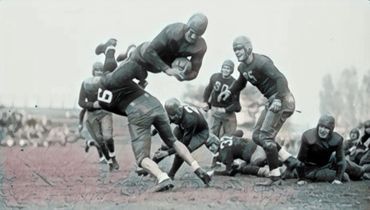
point(183, 68)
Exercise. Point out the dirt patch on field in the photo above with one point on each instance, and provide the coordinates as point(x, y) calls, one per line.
point(68, 178)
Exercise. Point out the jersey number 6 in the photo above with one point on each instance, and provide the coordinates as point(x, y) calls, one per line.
point(105, 96)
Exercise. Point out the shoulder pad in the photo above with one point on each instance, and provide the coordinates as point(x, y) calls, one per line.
point(310, 136)
point(336, 139)
point(260, 60)
point(241, 66)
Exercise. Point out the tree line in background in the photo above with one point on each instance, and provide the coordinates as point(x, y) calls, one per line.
point(346, 97)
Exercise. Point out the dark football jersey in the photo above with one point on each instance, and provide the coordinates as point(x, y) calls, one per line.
point(216, 86)
point(88, 93)
point(170, 44)
point(317, 152)
point(263, 74)
point(192, 122)
point(110, 99)
point(235, 148)
point(117, 100)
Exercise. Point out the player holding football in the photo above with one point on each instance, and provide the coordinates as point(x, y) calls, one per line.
point(174, 41)
point(127, 98)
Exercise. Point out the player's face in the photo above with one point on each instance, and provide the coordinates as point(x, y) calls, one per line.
point(241, 53)
point(367, 130)
point(226, 71)
point(191, 36)
point(175, 115)
point(353, 136)
point(323, 132)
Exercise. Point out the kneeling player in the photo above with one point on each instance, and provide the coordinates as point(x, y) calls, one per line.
point(192, 130)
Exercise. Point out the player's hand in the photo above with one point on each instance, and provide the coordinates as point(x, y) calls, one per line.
point(205, 107)
point(96, 105)
point(176, 72)
point(275, 106)
point(336, 182)
point(224, 96)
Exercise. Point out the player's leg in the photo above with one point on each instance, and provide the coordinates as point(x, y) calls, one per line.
point(216, 123)
point(268, 125)
point(107, 132)
point(110, 62)
point(229, 123)
point(141, 143)
point(139, 114)
point(197, 141)
point(94, 128)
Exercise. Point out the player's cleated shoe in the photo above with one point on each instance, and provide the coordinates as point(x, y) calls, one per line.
point(272, 181)
point(123, 56)
point(101, 48)
point(159, 155)
point(102, 160)
point(115, 163)
point(141, 172)
point(164, 185)
point(203, 175)
point(110, 167)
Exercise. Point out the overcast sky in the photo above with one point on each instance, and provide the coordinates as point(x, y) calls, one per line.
point(47, 46)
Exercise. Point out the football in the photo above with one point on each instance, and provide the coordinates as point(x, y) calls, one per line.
point(182, 63)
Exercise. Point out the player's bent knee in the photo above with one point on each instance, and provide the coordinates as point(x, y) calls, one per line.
point(269, 145)
point(256, 138)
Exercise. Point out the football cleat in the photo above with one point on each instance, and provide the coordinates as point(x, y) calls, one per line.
point(164, 185)
point(141, 172)
point(115, 163)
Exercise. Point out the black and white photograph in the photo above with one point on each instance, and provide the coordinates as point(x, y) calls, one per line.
point(161, 104)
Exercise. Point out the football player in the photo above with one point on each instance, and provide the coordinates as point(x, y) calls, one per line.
point(191, 129)
point(223, 112)
point(99, 122)
point(174, 41)
point(236, 147)
point(318, 146)
point(261, 72)
point(125, 97)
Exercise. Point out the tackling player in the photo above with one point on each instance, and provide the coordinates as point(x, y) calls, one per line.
point(261, 72)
